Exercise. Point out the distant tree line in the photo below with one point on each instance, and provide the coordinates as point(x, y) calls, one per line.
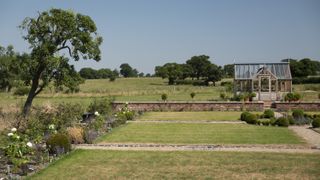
point(197, 67)
point(304, 71)
point(125, 71)
point(104, 73)
point(304, 67)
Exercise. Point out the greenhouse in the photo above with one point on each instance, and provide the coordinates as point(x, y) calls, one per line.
point(270, 81)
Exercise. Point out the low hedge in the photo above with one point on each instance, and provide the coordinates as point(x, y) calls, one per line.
point(316, 123)
point(306, 80)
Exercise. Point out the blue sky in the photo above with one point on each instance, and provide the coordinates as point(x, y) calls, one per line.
point(146, 33)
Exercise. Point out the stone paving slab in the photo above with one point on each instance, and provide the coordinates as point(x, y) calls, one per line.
point(179, 147)
point(312, 137)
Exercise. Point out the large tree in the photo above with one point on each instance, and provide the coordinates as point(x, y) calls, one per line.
point(199, 64)
point(213, 73)
point(228, 70)
point(172, 71)
point(127, 71)
point(51, 34)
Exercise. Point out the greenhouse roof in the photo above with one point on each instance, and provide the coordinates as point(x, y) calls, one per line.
point(248, 71)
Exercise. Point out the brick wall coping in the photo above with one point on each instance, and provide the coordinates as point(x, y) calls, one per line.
point(186, 102)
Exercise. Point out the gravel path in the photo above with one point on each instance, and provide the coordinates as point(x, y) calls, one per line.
point(176, 147)
point(312, 137)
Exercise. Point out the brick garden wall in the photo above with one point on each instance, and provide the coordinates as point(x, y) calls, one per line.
point(217, 106)
point(306, 106)
point(192, 106)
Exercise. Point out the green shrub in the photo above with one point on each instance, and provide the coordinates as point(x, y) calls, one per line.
point(98, 123)
point(21, 91)
point(225, 83)
point(192, 95)
point(316, 123)
point(223, 95)
point(268, 113)
point(101, 105)
point(296, 97)
point(67, 114)
point(273, 121)
point(244, 115)
point(251, 118)
point(238, 97)
point(300, 118)
point(112, 78)
point(291, 120)
point(297, 113)
point(58, 144)
point(164, 97)
point(266, 122)
point(292, 97)
point(252, 95)
point(282, 121)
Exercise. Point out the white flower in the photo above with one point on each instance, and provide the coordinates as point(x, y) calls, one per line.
point(127, 103)
point(96, 113)
point(115, 115)
point(10, 134)
point(29, 144)
point(18, 137)
point(13, 129)
point(51, 126)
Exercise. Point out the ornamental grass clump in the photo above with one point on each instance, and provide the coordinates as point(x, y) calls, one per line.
point(75, 134)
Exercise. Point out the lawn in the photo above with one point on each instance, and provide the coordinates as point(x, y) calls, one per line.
point(199, 133)
point(99, 164)
point(191, 116)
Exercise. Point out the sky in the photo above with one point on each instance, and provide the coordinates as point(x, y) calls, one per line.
point(148, 33)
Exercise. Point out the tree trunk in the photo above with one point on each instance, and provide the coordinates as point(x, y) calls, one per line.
point(31, 95)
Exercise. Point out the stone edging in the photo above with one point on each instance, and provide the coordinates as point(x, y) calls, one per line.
point(201, 147)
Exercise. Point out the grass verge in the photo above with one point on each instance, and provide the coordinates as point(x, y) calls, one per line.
point(100, 164)
point(191, 116)
point(185, 133)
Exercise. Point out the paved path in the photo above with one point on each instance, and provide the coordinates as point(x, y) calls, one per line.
point(176, 147)
point(312, 137)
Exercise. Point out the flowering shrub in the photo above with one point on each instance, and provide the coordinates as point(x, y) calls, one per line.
point(125, 113)
point(18, 149)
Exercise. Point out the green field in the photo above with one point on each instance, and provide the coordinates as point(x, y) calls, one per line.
point(186, 133)
point(99, 164)
point(123, 89)
point(138, 89)
point(190, 116)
